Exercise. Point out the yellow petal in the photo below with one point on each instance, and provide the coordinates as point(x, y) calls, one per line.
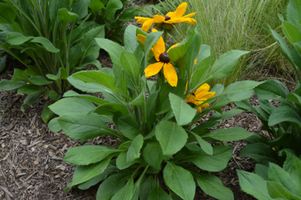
point(147, 24)
point(180, 10)
point(181, 19)
point(170, 14)
point(203, 88)
point(189, 15)
point(170, 74)
point(159, 19)
point(190, 99)
point(141, 20)
point(173, 46)
point(141, 38)
point(206, 105)
point(153, 69)
point(159, 48)
point(195, 61)
point(199, 109)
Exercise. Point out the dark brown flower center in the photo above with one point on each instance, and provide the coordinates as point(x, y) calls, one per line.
point(164, 58)
point(167, 18)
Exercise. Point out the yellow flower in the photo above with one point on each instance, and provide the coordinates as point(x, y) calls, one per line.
point(201, 95)
point(169, 18)
point(163, 61)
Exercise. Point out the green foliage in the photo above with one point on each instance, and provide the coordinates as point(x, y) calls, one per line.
point(113, 15)
point(53, 39)
point(154, 123)
point(283, 123)
point(273, 182)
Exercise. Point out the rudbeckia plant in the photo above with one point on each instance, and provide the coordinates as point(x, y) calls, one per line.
point(160, 148)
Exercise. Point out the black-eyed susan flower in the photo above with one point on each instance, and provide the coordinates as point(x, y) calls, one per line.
point(163, 61)
point(169, 18)
point(201, 95)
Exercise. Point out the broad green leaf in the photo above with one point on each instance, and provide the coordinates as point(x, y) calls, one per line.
point(153, 155)
point(293, 11)
point(19, 75)
point(72, 105)
point(7, 14)
point(81, 126)
point(86, 172)
point(111, 109)
point(88, 40)
point(39, 80)
point(128, 127)
point(111, 8)
point(262, 171)
point(271, 89)
point(130, 41)
point(182, 111)
point(15, 38)
point(296, 51)
point(284, 114)
point(158, 194)
point(54, 6)
point(206, 147)
point(111, 186)
point(94, 99)
point(253, 184)
point(213, 186)
point(213, 163)
point(147, 187)
point(62, 74)
point(47, 114)
point(192, 52)
point(30, 89)
point(5, 85)
point(171, 137)
point(291, 32)
point(95, 6)
point(228, 135)
point(93, 181)
point(121, 162)
point(54, 125)
point(46, 44)
point(277, 174)
point(150, 40)
point(134, 150)
point(30, 99)
point(276, 190)
point(130, 66)
point(260, 152)
point(2, 62)
point(65, 16)
point(80, 7)
point(88, 154)
point(179, 180)
point(295, 174)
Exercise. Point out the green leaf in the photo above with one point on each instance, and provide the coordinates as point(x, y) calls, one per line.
point(253, 184)
point(88, 154)
point(15, 38)
point(47, 114)
point(46, 44)
point(192, 52)
point(213, 163)
point(5, 85)
point(19, 75)
point(213, 186)
point(54, 125)
point(128, 127)
point(131, 66)
point(260, 152)
point(228, 135)
point(182, 111)
point(147, 187)
point(88, 40)
point(276, 190)
point(179, 180)
point(30, 99)
point(80, 7)
point(30, 89)
point(152, 154)
point(94, 99)
point(112, 7)
point(82, 126)
point(72, 105)
point(39, 80)
point(86, 172)
point(121, 162)
point(171, 137)
point(158, 194)
point(291, 32)
point(130, 41)
point(277, 174)
point(7, 14)
point(66, 16)
point(111, 109)
point(2, 62)
point(95, 6)
point(62, 74)
point(111, 186)
point(206, 147)
point(54, 6)
point(284, 114)
point(293, 11)
point(150, 40)
point(134, 150)
point(295, 174)
point(271, 89)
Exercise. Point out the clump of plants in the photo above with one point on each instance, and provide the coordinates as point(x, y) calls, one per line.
point(278, 174)
point(53, 39)
point(160, 149)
